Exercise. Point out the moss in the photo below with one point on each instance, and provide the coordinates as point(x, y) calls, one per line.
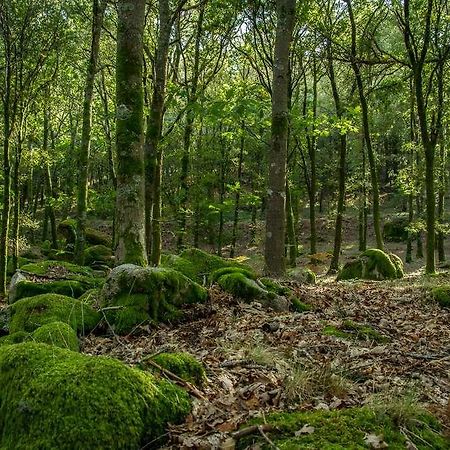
point(49, 266)
point(147, 293)
point(68, 229)
point(92, 297)
point(226, 270)
point(21, 261)
point(61, 255)
point(373, 264)
point(182, 364)
point(30, 313)
point(354, 330)
point(299, 306)
point(237, 284)
point(98, 254)
point(15, 338)
point(198, 265)
point(303, 275)
point(56, 398)
point(275, 287)
point(27, 288)
point(441, 294)
point(59, 334)
point(347, 429)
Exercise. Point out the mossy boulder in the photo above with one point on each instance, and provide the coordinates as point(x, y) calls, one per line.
point(30, 313)
point(68, 229)
point(181, 364)
point(54, 277)
point(15, 338)
point(373, 264)
point(98, 255)
point(199, 265)
point(303, 275)
point(139, 294)
point(395, 229)
point(55, 398)
point(441, 294)
point(214, 276)
point(58, 334)
point(351, 428)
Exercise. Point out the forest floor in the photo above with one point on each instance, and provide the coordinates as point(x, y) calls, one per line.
point(260, 361)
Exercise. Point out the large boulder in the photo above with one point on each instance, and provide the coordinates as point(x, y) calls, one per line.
point(54, 398)
point(98, 255)
point(30, 313)
point(133, 295)
point(56, 277)
point(373, 264)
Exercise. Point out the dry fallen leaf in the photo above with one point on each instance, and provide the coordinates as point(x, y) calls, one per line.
point(306, 429)
point(374, 441)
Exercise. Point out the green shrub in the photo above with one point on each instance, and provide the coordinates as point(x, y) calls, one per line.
point(54, 398)
point(441, 294)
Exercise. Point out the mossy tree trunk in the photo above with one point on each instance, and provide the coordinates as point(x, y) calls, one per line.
point(98, 10)
point(276, 198)
point(441, 197)
point(334, 264)
point(373, 167)
point(153, 149)
point(291, 239)
point(363, 208)
point(130, 212)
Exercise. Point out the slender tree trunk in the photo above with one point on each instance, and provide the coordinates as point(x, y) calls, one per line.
point(237, 196)
point(334, 264)
point(275, 218)
point(130, 204)
point(290, 228)
point(363, 209)
point(98, 9)
point(221, 197)
point(367, 137)
point(441, 198)
point(153, 150)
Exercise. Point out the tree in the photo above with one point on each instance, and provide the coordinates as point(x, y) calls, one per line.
point(130, 134)
point(276, 198)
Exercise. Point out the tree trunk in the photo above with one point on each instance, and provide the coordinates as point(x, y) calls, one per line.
point(153, 151)
point(98, 9)
point(130, 204)
point(275, 216)
point(290, 228)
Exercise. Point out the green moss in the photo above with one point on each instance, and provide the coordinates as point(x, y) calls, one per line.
point(15, 338)
point(299, 306)
point(21, 261)
point(226, 270)
point(182, 364)
point(30, 313)
point(441, 294)
point(55, 398)
point(59, 334)
point(60, 255)
point(49, 266)
point(92, 297)
point(239, 285)
point(275, 287)
point(348, 429)
point(353, 330)
point(27, 288)
point(373, 264)
point(98, 254)
point(303, 275)
point(198, 265)
point(68, 229)
point(147, 293)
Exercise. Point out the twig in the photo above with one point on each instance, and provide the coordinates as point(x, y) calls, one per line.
point(252, 430)
point(264, 435)
point(190, 387)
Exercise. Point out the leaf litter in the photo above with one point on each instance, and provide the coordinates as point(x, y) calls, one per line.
point(260, 361)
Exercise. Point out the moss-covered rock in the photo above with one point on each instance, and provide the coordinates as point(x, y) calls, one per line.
point(237, 284)
point(52, 277)
point(303, 275)
point(181, 364)
point(373, 264)
point(54, 398)
point(353, 330)
point(441, 294)
point(139, 294)
point(15, 338)
point(395, 229)
point(68, 229)
point(98, 254)
point(30, 313)
point(213, 278)
point(299, 306)
point(199, 265)
point(275, 287)
point(58, 334)
point(348, 429)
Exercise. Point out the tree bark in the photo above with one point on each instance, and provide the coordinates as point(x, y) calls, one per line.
point(276, 198)
point(130, 206)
